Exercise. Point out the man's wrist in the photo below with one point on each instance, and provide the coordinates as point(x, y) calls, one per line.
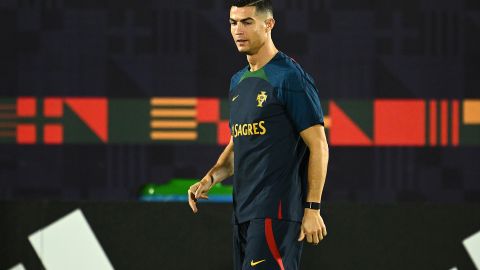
point(207, 180)
point(212, 180)
point(312, 205)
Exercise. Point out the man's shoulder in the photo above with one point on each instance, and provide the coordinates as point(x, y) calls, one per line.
point(285, 69)
point(237, 76)
point(289, 74)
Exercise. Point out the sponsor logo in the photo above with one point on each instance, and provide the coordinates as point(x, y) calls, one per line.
point(249, 129)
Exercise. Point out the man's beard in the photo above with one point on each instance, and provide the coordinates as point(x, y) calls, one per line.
point(253, 50)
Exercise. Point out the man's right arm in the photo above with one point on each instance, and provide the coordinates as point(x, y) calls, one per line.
point(219, 172)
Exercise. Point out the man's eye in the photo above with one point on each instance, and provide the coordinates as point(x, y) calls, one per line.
point(233, 23)
point(247, 23)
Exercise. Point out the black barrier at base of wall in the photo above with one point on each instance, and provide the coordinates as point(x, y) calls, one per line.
point(168, 236)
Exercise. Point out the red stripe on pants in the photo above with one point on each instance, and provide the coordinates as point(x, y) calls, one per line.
point(272, 245)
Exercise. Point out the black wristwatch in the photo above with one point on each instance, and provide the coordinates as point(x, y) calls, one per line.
point(312, 205)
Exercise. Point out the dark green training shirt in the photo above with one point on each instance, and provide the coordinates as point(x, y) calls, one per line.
point(269, 108)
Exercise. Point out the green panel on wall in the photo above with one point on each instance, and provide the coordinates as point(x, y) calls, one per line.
point(129, 121)
point(207, 133)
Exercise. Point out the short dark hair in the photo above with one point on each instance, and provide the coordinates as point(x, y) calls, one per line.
point(260, 5)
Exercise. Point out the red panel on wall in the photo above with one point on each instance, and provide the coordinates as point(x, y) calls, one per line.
point(343, 130)
point(53, 107)
point(223, 131)
point(444, 122)
point(208, 110)
point(53, 134)
point(26, 134)
point(26, 107)
point(455, 123)
point(433, 122)
point(399, 122)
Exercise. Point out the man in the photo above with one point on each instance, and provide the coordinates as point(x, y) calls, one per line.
point(278, 151)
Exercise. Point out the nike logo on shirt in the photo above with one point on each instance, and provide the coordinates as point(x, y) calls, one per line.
point(252, 263)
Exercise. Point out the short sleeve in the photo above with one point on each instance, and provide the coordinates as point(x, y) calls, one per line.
point(233, 82)
point(300, 98)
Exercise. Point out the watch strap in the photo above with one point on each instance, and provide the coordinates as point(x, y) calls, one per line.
point(312, 205)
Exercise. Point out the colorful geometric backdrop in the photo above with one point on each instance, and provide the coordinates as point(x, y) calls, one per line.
point(379, 122)
point(99, 98)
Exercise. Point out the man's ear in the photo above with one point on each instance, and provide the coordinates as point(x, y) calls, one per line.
point(270, 22)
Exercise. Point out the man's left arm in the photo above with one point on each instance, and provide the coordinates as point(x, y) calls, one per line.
point(313, 228)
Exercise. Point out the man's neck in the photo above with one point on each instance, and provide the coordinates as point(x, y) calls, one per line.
point(262, 57)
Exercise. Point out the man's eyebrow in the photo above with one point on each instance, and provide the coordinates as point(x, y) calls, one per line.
point(242, 20)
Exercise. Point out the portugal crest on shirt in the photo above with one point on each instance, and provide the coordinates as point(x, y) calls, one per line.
point(261, 98)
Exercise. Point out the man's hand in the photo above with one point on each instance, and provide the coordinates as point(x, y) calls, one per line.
point(313, 228)
point(199, 190)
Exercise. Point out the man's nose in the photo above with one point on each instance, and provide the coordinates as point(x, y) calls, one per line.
point(238, 29)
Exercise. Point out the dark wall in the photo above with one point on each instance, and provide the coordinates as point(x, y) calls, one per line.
point(354, 49)
point(130, 49)
point(169, 236)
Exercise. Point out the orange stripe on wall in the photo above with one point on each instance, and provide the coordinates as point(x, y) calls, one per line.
point(433, 122)
point(8, 106)
point(8, 133)
point(173, 113)
point(173, 101)
point(444, 122)
point(174, 135)
point(455, 122)
point(8, 125)
point(173, 124)
point(8, 116)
